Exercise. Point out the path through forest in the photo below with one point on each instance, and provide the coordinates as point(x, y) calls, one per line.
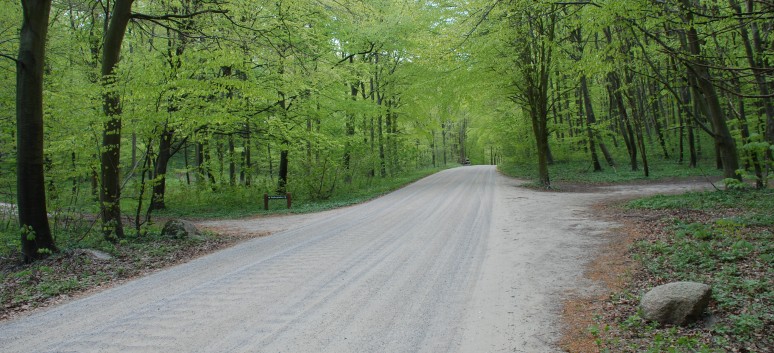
point(461, 261)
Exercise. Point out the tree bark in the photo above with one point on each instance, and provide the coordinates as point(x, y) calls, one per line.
point(759, 66)
point(110, 191)
point(282, 182)
point(231, 160)
point(590, 121)
point(36, 239)
point(638, 120)
point(625, 123)
point(160, 171)
point(722, 136)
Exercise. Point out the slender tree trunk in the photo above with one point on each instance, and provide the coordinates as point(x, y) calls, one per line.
point(656, 123)
point(247, 169)
point(143, 184)
point(625, 121)
point(684, 108)
point(160, 171)
point(752, 156)
point(231, 160)
point(723, 139)
point(539, 128)
point(271, 162)
point(282, 179)
point(185, 160)
point(110, 191)
point(590, 121)
point(432, 146)
point(388, 138)
point(638, 123)
point(134, 149)
point(754, 53)
point(199, 159)
point(392, 139)
point(759, 66)
point(443, 141)
point(382, 161)
point(36, 239)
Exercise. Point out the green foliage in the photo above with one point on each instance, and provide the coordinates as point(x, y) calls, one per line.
point(581, 172)
point(733, 254)
point(237, 202)
point(755, 201)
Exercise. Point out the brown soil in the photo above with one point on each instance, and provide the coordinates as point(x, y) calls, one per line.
point(612, 269)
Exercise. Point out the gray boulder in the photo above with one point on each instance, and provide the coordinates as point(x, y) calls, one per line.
point(95, 255)
point(179, 229)
point(676, 303)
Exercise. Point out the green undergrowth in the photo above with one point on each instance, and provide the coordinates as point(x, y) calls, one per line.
point(228, 202)
point(71, 271)
point(724, 239)
point(581, 172)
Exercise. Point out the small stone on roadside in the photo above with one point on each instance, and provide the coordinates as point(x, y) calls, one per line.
point(179, 229)
point(93, 254)
point(675, 303)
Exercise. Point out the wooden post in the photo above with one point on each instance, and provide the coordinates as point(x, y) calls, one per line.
point(266, 202)
point(288, 197)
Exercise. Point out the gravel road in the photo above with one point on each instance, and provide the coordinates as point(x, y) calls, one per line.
point(462, 261)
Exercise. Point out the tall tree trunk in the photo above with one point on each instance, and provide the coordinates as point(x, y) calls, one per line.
point(539, 128)
point(638, 120)
point(432, 147)
point(393, 139)
point(247, 169)
point(350, 130)
point(36, 239)
point(656, 112)
point(134, 149)
point(231, 160)
point(591, 118)
point(199, 161)
point(141, 196)
point(388, 138)
point(185, 160)
point(625, 121)
point(282, 179)
point(110, 192)
point(271, 162)
point(443, 141)
point(759, 66)
point(699, 68)
point(684, 109)
point(752, 159)
point(590, 121)
point(160, 171)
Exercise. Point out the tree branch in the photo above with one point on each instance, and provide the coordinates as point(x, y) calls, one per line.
point(140, 16)
point(369, 51)
point(9, 58)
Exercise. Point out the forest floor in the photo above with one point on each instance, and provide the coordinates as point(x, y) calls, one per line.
point(64, 277)
point(724, 244)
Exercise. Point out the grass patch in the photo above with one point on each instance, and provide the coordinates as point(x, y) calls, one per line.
point(724, 239)
point(581, 172)
point(235, 202)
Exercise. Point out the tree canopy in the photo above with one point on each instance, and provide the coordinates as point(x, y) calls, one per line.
point(320, 97)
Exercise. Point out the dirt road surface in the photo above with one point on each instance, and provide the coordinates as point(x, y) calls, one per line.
point(461, 261)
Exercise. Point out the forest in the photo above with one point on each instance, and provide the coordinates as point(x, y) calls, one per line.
point(126, 108)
